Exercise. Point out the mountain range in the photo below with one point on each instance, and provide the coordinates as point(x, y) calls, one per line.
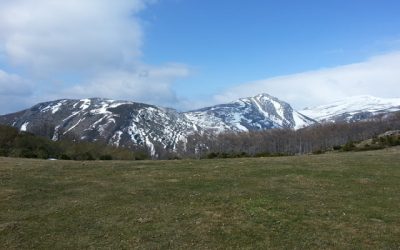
point(125, 123)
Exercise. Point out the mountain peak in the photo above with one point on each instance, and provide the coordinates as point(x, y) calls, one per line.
point(262, 96)
point(265, 95)
point(259, 112)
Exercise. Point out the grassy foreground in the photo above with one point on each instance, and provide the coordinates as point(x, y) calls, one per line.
point(339, 200)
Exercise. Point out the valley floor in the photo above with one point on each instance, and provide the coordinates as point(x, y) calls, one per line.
point(334, 201)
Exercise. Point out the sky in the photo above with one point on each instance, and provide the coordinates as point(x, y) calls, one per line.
point(188, 54)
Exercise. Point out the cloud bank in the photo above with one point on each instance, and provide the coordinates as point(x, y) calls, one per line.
point(96, 43)
point(377, 76)
point(70, 35)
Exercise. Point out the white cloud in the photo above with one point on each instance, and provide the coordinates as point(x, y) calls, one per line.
point(145, 84)
point(14, 92)
point(11, 84)
point(48, 35)
point(377, 76)
point(96, 42)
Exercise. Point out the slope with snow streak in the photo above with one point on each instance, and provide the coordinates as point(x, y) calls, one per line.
point(353, 109)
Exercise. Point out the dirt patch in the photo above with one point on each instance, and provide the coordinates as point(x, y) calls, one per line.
point(10, 226)
point(173, 180)
point(365, 181)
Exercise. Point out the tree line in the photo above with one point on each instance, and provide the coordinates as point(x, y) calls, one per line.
point(15, 143)
point(314, 139)
point(275, 142)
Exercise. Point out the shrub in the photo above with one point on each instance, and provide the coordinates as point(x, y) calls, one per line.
point(349, 146)
point(264, 154)
point(212, 155)
point(106, 158)
point(85, 156)
point(65, 157)
point(337, 147)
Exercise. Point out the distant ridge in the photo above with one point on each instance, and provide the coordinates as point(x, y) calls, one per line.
point(352, 109)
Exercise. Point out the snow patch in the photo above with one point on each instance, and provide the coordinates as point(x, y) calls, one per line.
point(69, 117)
point(278, 108)
point(56, 133)
point(24, 126)
point(54, 108)
point(300, 121)
point(117, 138)
point(76, 124)
point(85, 104)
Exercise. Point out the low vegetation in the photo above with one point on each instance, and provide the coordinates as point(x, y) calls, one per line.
point(14, 143)
point(345, 200)
point(385, 140)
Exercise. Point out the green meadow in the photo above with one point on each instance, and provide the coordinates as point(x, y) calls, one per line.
point(328, 201)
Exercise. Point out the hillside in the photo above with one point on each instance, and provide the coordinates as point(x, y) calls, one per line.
point(330, 201)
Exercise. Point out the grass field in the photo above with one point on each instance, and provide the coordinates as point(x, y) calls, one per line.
point(330, 201)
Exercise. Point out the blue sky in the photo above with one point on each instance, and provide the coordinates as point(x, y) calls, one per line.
point(189, 53)
point(231, 42)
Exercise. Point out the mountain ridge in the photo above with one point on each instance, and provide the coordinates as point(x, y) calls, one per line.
point(352, 109)
point(127, 123)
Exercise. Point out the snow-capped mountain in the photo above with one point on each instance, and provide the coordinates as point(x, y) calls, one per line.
point(249, 114)
point(115, 122)
point(124, 123)
point(353, 109)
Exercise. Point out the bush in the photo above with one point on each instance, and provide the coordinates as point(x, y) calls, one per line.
point(371, 147)
point(337, 147)
point(141, 156)
point(85, 156)
point(65, 157)
point(349, 146)
point(265, 154)
point(242, 155)
point(106, 158)
point(212, 155)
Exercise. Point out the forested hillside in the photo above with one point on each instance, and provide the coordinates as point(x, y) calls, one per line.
point(313, 139)
point(318, 138)
point(14, 143)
